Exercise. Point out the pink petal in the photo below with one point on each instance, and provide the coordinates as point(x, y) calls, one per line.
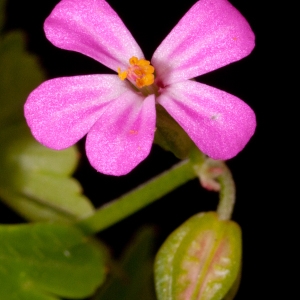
point(220, 124)
point(123, 136)
point(93, 28)
point(211, 35)
point(62, 110)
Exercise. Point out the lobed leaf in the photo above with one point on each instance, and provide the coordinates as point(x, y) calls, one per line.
point(20, 74)
point(35, 181)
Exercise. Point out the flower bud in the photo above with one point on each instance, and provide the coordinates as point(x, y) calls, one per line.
point(199, 260)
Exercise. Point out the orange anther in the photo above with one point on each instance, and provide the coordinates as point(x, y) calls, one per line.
point(140, 72)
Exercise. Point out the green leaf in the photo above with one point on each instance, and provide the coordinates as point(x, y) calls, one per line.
point(35, 181)
point(135, 275)
point(47, 261)
point(170, 136)
point(2, 13)
point(20, 74)
point(200, 260)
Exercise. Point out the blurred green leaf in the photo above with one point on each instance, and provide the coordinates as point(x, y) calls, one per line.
point(2, 13)
point(35, 181)
point(135, 278)
point(47, 261)
point(20, 74)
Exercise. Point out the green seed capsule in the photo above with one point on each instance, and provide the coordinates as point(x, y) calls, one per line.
point(200, 260)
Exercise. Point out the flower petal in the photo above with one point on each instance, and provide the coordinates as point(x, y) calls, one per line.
point(93, 28)
point(123, 136)
point(220, 124)
point(211, 35)
point(62, 110)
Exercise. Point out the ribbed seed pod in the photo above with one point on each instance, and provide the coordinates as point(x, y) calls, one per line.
point(200, 260)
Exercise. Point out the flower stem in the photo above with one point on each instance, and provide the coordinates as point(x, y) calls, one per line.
point(140, 197)
point(227, 194)
point(215, 175)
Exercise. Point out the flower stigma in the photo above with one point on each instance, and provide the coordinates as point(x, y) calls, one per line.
point(140, 73)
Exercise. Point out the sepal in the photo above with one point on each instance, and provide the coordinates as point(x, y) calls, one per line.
point(170, 136)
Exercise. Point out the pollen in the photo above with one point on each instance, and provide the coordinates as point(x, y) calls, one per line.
point(140, 72)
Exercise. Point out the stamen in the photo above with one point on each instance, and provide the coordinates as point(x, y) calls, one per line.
point(140, 72)
point(122, 75)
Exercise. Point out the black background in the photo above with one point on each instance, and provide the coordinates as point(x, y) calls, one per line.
point(150, 22)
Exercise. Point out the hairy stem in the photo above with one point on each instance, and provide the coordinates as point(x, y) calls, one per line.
point(140, 197)
point(227, 194)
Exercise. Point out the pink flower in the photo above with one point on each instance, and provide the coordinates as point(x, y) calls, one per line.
point(118, 112)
